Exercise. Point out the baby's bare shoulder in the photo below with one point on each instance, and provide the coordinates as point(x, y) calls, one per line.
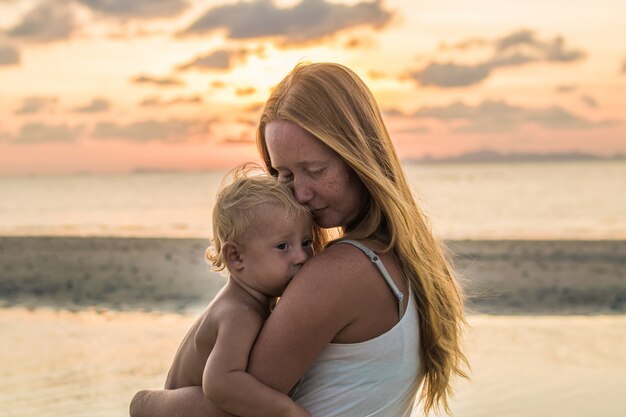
point(231, 310)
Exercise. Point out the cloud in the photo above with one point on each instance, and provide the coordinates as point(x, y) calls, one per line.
point(48, 22)
point(393, 112)
point(248, 122)
point(32, 105)
point(552, 51)
point(377, 75)
point(306, 21)
point(245, 91)
point(254, 108)
point(566, 88)
point(126, 32)
point(217, 84)
point(360, 42)
point(40, 133)
point(589, 101)
point(413, 130)
point(556, 51)
point(222, 59)
point(150, 130)
point(162, 82)
point(498, 116)
point(521, 37)
point(9, 55)
point(451, 75)
point(96, 105)
point(157, 102)
point(243, 139)
point(516, 49)
point(137, 8)
point(463, 45)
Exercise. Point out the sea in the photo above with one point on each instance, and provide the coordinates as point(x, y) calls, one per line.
point(538, 200)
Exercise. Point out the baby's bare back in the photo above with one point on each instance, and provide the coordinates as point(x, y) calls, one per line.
point(192, 355)
point(193, 352)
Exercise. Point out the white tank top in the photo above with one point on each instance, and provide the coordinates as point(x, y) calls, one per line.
point(378, 377)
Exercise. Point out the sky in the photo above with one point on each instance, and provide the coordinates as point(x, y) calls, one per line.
point(119, 86)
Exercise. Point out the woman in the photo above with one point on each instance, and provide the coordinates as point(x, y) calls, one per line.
point(349, 337)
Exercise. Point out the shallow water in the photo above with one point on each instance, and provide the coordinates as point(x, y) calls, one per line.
point(564, 200)
point(61, 363)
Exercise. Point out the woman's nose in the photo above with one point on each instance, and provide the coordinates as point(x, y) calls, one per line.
point(302, 192)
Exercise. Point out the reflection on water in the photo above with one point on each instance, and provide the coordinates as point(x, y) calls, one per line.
point(573, 200)
point(90, 363)
point(565, 200)
point(59, 363)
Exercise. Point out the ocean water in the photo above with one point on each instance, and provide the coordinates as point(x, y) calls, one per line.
point(94, 361)
point(562, 200)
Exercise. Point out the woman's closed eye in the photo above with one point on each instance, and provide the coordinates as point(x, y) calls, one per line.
point(315, 172)
point(285, 177)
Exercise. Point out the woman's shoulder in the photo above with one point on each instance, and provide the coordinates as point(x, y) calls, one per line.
point(342, 282)
point(339, 255)
point(337, 264)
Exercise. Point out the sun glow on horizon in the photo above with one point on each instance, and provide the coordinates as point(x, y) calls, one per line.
point(117, 89)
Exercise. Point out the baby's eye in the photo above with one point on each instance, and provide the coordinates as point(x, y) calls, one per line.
point(307, 243)
point(281, 246)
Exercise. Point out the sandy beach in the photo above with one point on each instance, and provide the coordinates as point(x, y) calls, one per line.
point(500, 277)
point(58, 363)
point(86, 322)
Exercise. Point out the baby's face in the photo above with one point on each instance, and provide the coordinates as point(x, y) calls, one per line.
point(274, 248)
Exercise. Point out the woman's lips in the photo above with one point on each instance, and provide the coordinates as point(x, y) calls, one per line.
point(316, 212)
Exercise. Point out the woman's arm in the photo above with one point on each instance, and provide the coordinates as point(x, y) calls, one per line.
point(321, 300)
point(225, 380)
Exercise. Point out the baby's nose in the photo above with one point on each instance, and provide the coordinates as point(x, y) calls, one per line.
point(302, 256)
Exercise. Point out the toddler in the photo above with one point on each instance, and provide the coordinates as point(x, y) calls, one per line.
point(262, 236)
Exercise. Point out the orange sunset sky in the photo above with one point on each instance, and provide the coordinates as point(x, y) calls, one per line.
point(119, 85)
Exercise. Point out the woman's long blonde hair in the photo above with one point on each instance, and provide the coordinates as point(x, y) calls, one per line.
point(333, 104)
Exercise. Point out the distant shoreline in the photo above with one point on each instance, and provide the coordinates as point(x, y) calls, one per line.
point(491, 156)
point(485, 156)
point(170, 274)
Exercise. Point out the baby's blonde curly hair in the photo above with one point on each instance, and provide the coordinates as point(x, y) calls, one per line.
point(249, 187)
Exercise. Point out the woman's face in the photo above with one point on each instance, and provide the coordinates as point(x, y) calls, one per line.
point(318, 176)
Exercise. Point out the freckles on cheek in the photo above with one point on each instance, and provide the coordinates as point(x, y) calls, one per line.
point(338, 184)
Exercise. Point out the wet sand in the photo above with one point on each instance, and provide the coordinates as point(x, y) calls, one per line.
point(86, 322)
point(500, 277)
point(59, 363)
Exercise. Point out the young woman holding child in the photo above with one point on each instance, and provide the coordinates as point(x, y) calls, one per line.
point(376, 313)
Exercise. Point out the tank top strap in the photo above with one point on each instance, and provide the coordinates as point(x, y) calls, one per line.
point(383, 271)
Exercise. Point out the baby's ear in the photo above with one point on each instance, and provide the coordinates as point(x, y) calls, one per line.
point(232, 256)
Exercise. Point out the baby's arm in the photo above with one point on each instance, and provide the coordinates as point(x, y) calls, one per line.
point(225, 380)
